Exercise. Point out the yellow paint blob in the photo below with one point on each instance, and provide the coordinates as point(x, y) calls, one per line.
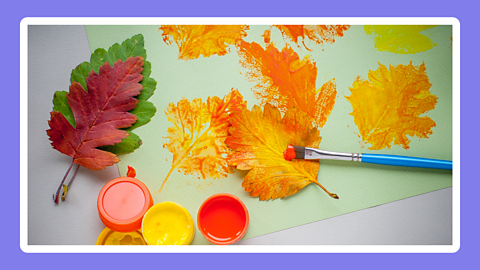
point(168, 223)
point(402, 39)
point(111, 237)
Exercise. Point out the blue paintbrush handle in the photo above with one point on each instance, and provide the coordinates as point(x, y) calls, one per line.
point(407, 161)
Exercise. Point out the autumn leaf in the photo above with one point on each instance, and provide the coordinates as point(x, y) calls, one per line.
point(99, 113)
point(388, 106)
point(144, 110)
point(317, 33)
point(286, 81)
point(206, 40)
point(259, 139)
point(197, 137)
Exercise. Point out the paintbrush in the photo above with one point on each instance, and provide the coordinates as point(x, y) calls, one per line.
point(300, 152)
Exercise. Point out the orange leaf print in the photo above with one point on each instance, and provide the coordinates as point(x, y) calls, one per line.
point(259, 139)
point(206, 40)
point(286, 81)
point(388, 106)
point(317, 33)
point(197, 137)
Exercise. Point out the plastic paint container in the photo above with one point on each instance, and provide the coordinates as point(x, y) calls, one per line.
point(223, 219)
point(111, 237)
point(168, 223)
point(122, 203)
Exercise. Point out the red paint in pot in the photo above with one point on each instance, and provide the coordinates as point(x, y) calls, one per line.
point(223, 219)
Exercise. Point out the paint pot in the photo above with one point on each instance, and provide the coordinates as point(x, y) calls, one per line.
point(111, 237)
point(168, 223)
point(223, 219)
point(122, 203)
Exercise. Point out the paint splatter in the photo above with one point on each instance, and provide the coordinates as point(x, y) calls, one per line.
point(401, 39)
point(197, 137)
point(267, 36)
point(387, 107)
point(286, 81)
point(317, 33)
point(206, 40)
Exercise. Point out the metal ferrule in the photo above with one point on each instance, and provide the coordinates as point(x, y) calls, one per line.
point(313, 153)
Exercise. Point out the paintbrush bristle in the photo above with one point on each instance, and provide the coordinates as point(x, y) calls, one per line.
point(294, 152)
point(299, 152)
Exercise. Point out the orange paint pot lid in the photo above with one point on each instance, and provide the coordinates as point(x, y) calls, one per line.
point(122, 203)
point(223, 219)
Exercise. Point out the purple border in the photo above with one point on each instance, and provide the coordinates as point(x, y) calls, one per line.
point(16, 11)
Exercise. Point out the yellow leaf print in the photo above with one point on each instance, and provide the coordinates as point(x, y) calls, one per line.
point(387, 106)
point(402, 39)
point(206, 40)
point(197, 137)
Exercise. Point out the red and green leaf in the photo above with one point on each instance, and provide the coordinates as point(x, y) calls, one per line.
point(144, 110)
point(99, 114)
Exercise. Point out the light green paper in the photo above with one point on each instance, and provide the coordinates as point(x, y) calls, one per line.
point(358, 185)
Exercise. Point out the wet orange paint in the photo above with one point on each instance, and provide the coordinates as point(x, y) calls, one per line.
point(284, 80)
point(388, 106)
point(317, 33)
point(206, 40)
point(197, 137)
point(131, 172)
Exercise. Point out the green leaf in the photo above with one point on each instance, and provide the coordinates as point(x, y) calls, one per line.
point(60, 104)
point(144, 111)
point(80, 73)
point(149, 85)
point(131, 47)
point(127, 145)
point(147, 69)
point(114, 53)
point(97, 59)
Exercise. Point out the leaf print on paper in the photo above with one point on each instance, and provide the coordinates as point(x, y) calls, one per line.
point(259, 139)
point(99, 114)
point(387, 106)
point(285, 81)
point(197, 137)
point(316, 33)
point(402, 39)
point(206, 40)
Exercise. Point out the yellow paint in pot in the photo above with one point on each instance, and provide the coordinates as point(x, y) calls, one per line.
point(168, 223)
point(111, 237)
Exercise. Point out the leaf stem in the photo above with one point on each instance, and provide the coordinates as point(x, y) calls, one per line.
point(166, 178)
point(333, 195)
point(55, 196)
point(64, 194)
point(179, 160)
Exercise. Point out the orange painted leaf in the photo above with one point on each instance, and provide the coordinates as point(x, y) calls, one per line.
point(197, 137)
point(206, 40)
point(387, 106)
point(99, 114)
point(259, 139)
point(317, 33)
point(286, 81)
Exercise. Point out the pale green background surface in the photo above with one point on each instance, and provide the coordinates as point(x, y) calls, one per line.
point(358, 185)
